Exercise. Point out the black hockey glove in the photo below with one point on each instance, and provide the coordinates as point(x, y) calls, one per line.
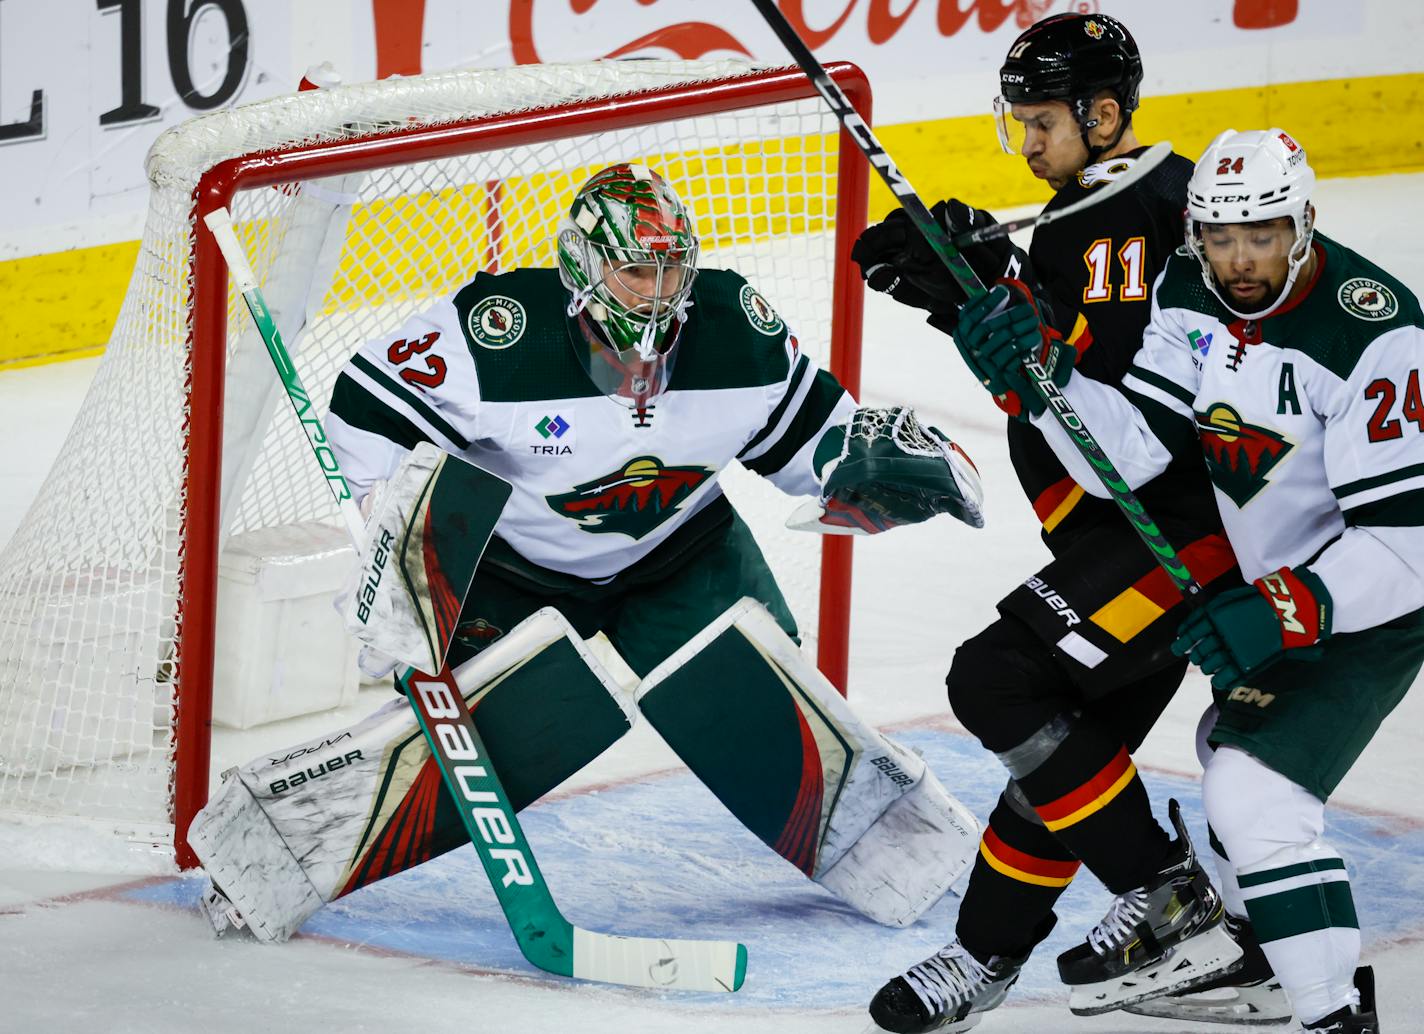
point(895, 258)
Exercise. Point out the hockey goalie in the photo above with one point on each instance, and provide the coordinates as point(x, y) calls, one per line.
point(610, 393)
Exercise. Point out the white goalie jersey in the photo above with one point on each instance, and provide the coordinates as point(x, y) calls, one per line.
point(491, 374)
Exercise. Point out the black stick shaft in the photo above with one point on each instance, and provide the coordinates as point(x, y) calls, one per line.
point(1052, 395)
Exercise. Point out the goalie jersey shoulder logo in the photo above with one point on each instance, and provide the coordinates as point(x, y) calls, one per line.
point(496, 322)
point(759, 312)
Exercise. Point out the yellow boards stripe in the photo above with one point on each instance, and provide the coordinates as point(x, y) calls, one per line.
point(63, 305)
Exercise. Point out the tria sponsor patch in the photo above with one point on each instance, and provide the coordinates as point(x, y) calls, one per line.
point(1201, 345)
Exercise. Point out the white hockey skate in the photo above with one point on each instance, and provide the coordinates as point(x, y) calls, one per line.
point(1165, 936)
point(1249, 995)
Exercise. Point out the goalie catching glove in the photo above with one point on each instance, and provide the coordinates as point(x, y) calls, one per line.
point(885, 469)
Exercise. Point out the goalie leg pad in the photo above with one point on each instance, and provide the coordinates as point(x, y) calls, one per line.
point(783, 751)
point(909, 857)
point(340, 812)
point(250, 862)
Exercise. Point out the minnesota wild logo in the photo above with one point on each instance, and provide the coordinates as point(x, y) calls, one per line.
point(1239, 456)
point(632, 500)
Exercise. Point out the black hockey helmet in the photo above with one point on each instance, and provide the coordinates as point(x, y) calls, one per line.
point(1071, 58)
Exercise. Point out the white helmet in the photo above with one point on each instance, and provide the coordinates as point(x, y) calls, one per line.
point(1250, 177)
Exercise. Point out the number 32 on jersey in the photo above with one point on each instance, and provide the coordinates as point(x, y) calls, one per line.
point(1133, 258)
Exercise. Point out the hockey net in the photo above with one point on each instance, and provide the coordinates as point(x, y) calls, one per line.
point(358, 207)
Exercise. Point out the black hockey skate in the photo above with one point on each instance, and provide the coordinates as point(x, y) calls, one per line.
point(1163, 937)
point(949, 992)
point(1363, 1019)
point(1248, 995)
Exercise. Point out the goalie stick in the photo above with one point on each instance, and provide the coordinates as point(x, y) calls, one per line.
point(969, 282)
point(546, 938)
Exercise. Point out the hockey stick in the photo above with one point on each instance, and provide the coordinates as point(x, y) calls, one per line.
point(1141, 166)
point(969, 282)
point(546, 938)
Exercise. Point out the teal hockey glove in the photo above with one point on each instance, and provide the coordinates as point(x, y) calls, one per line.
point(998, 330)
point(1242, 632)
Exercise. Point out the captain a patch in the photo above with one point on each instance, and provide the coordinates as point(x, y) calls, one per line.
point(759, 312)
point(497, 321)
point(1367, 299)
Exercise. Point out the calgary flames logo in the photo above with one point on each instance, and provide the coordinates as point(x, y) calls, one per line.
point(1239, 456)
point(633, 500)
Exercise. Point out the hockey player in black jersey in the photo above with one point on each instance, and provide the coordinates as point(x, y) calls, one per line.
point(1070, 678)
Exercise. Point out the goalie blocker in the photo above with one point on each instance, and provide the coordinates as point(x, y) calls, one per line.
point(753, 719)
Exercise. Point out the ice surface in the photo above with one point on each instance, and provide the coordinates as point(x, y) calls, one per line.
point(635, 845)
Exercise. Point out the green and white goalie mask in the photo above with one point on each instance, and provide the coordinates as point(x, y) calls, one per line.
point(628, 255)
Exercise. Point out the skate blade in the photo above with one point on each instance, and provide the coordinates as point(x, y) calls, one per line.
point(1191, 963)
point(1256, 1005)
point(221, 913)
point(954, 1027)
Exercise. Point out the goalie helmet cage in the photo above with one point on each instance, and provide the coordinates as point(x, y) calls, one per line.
point(359, 206)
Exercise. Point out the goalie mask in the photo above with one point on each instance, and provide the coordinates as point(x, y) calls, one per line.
point(1242, 184)
point(628, 255)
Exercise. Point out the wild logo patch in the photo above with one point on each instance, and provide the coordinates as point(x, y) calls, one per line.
point(497, 321)
point(1367, 299)
point(632, 500)
point(759, 312)
point(1239, 456)
point(477, 633)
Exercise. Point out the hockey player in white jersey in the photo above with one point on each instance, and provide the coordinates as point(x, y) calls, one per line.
point(1292, 364)
point(611, 392)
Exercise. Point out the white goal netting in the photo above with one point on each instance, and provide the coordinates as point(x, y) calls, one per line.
point(102, 588)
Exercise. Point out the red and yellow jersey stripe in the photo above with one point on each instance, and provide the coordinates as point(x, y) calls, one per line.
point(1025, 868)
point(1091, 797)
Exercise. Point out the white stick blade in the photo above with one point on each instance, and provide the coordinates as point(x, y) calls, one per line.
point(659, 964)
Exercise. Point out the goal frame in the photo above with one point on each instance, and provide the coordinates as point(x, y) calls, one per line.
point(207, 343)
